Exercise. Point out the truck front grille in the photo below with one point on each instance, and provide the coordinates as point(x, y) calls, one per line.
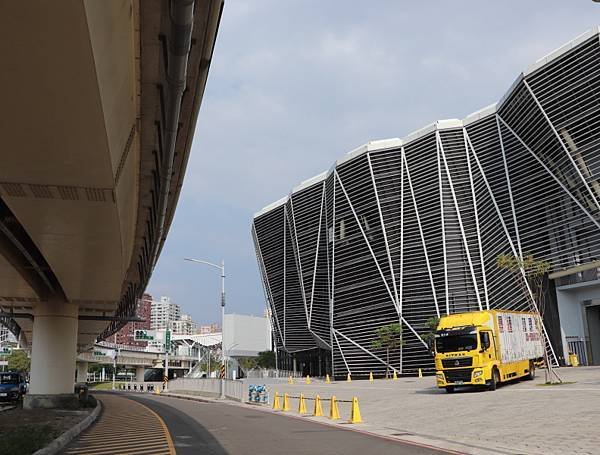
point(463, 375)
point(457, 362)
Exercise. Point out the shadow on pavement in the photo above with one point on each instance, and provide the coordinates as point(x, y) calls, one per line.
point(189, 436)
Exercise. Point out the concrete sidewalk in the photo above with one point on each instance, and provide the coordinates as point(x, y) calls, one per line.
point(520, 417)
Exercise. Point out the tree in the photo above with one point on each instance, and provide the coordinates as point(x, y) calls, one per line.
point(18, 361)
point(388, 337)
point(429, 336)
point(247, 363)
point(529, 274)
point(266, 359)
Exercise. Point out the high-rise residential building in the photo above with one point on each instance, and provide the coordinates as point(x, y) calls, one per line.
point(163, 312)
point(184, 325)
point(408, 230)
point(127, 334)
point(209, 328)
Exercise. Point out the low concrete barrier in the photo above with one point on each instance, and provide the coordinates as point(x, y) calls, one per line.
point(234, 389)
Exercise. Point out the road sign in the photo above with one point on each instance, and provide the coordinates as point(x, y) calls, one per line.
point(168, 340)
point(143, 335)
point(6, 350)
point(99, 353)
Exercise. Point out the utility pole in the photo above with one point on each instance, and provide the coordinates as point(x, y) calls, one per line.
point(114, 364)
point(222, 269)
point(167, 349)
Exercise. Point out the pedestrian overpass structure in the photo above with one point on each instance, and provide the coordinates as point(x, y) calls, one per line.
point(99, 107)
point(188, 351)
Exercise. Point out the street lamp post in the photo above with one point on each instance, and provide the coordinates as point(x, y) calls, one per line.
point(222, 269)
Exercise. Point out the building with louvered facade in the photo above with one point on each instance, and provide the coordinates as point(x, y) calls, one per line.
point(405, 230)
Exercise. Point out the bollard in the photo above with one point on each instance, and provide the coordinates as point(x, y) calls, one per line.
point(395, 377)
point(318, 412)
point(334, 412)
point(301, 405)
point(348, 379)
point(286, 402)
point(327, 380)
point(420, 373)
point(290, 380)
point(276, 403)
point(371, 376)
point(355, 412)
point(307, 379)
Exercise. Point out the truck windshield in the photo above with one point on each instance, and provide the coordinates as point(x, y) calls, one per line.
point(454, 343)
point(9, 379)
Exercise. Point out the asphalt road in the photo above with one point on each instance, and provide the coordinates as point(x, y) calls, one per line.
point(215, 428)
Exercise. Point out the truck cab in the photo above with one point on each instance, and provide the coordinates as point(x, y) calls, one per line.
point(464, 355)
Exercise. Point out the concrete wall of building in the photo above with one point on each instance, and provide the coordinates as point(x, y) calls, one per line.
point(592, 314)
point(572, 313)
point(245, 335)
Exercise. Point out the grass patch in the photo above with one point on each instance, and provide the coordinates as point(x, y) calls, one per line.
point(549, 384)
point(103, 385)
point(26, 439)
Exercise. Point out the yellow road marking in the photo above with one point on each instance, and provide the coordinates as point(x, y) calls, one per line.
point(165, 429)
point(125, 427)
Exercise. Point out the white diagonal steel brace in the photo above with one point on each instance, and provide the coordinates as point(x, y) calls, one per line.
point(341, 350)
point(330, 268)
point(385, 239)
point(366, 240)
point(296, 252)
point(312, 290)
point(508, 237)
point(556, 179)
point(317, 335)
point(541, 108)
point(460, 223)
point(284, 272)
point(442, 220)
point(437, 308)
point(401, 290)
point(366, 350)
point(483, 275)
point(509, 187)
point(266, 285)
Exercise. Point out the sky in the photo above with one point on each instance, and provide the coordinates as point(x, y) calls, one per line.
point(295, 85)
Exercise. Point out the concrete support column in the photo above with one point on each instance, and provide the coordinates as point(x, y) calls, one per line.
point(53, 354)
point(139, 374)
point(82, 369)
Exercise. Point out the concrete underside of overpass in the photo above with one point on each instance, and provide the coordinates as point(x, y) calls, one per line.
point(96, 133)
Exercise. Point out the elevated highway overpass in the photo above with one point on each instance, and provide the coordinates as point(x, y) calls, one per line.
point(100, 101)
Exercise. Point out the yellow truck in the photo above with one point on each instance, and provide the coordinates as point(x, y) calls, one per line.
point(485, 348)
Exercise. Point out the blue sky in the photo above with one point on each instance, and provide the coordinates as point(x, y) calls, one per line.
point(294, 85)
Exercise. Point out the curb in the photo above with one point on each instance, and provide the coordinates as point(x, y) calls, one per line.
point(65, 438)
point(203, 399)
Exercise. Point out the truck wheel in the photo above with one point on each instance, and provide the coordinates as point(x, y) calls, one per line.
point(531, 375)
point(450, 388)
point(493, 384)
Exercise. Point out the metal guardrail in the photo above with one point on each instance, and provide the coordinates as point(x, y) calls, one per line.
point(140, 386)
point(261, 373)
point(209, 387)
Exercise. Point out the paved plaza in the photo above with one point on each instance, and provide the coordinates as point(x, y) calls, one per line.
point(520, 417)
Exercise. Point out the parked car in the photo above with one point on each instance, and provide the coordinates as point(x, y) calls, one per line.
point(13, 386)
